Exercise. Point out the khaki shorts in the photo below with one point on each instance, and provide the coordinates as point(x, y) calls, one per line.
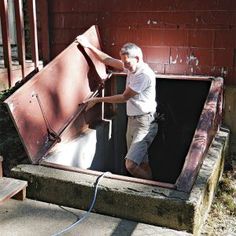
point(141, 130)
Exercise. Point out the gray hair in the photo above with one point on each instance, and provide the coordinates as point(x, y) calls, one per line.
point(131, 50)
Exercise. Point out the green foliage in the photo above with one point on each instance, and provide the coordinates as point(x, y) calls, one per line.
point(226, 193)
point(10, 145)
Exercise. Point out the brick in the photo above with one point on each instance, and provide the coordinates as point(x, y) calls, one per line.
point(199, 56)
point(112, 20)
point(200, 38)
point(207, 70)
point(137, 5)
point(169, 37)
point(107, 19)
point(74, 20)
point(214, 19)
point(160, 5)
point(107, 37)
point(179, 55)
point(178, 69)
point(133, 19)
point(156, 54)
point(202, 70)
point(196, 5)
point(81, 20)
point(157, 68)
point(124, 35)
point(225, 38)
point(56, 20)
point(231, 77)
point(57, 48)
point(227, 5)
point(175, 19)
point(157, 37)
point(63, 36)
point(114, 51)
point(125, 6)
point(73, 6)
point(223, 57)
point(143, 37)
point(119, 36)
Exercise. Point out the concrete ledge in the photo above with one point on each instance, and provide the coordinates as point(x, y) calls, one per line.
point(139, 202)
point(206, 183)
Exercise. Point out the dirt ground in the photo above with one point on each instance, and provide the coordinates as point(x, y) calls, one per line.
point(222, 217)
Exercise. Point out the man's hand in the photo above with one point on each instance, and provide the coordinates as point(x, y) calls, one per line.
point(90, 103)
point(83, 41)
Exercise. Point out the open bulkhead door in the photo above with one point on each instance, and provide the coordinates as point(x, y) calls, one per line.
point(46, 105)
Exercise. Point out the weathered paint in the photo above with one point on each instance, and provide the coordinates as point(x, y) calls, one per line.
point(49, 102)
point(53, 96)
point(205, 30)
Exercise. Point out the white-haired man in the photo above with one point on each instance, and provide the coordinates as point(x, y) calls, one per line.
point(140, 99)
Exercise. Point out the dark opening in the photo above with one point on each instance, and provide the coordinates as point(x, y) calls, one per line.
point(182, 102)
point(103, 147)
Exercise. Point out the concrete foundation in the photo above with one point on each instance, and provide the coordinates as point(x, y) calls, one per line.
point(230, 108)
point(129, 200)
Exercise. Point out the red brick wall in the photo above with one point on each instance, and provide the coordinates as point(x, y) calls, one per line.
point(177, 36)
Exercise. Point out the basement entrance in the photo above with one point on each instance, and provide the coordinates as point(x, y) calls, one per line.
point(56, 131)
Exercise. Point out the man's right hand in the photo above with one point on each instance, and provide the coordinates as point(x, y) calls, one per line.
point(90, 102)
point(83, 41)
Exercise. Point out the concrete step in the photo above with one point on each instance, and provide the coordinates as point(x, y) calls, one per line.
point(129, 200)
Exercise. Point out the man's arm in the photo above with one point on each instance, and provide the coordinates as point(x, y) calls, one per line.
point(119, 98)
point(103, 57)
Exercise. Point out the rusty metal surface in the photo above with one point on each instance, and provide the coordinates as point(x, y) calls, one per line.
point(94, 38)
point(208, 124)
point(33, 32)
point(43, 107)
point(20, 34)
point(111, 176)
point(6, 39)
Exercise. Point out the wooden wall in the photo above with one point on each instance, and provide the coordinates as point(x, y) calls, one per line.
point(177, 36)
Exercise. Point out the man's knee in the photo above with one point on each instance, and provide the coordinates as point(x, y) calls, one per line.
point(130, 166)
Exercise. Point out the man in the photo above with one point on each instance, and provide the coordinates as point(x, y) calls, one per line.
point(139, 96)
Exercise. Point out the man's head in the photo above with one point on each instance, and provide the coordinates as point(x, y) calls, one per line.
point(131, 55)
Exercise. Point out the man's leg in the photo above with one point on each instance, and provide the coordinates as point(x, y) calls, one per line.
point(140, 171)
point(140, 134)
point(145, 166)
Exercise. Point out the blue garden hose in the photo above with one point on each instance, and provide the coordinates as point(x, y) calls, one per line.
point(85, 215)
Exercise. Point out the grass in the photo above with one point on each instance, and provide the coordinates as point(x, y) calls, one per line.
point(10, 144)
point(226, 194)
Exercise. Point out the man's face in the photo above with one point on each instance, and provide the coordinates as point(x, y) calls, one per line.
point(130, 63)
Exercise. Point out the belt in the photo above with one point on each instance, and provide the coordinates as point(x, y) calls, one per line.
point(137, 116)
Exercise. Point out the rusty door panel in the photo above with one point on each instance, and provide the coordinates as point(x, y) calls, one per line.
point(208, 124)
point(44, 106)
point(93, 35)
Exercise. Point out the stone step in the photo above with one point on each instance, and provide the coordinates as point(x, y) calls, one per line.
point(10, 187)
